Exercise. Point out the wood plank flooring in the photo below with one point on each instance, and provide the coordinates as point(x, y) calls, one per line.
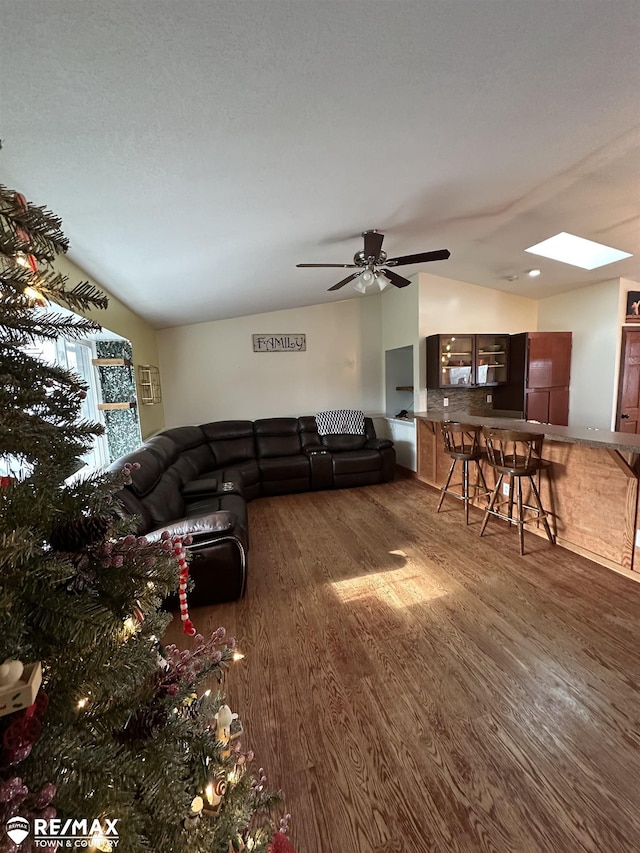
point(412, 687)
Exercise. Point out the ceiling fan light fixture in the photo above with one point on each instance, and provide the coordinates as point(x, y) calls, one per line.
point(373, 256)
point(382, 281)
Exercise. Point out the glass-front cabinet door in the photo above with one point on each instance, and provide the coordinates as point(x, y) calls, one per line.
point(491, 359)
point(456, 361)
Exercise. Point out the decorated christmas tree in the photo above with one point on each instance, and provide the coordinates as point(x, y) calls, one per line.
point(107, 738)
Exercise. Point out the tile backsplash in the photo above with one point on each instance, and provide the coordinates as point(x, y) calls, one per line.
point(473, 401)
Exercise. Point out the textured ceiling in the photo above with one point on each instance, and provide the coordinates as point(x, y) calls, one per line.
point(196, 151)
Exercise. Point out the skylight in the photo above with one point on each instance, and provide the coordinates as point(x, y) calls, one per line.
point(577, 251)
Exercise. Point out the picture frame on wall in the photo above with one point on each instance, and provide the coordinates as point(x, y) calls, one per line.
point(633, 306)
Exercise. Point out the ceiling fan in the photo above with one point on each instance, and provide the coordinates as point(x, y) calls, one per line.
point(368, 260)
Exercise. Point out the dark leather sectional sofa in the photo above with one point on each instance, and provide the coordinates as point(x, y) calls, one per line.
point(198, 480)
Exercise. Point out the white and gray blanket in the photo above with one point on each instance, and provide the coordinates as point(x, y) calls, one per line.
point(340, 422)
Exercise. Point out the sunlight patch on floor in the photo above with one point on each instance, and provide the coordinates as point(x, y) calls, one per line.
point(400, 588)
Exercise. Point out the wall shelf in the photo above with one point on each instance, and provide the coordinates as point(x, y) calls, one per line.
point(109, 407)
point(111, 362)
point(404, 388)
point(149, 384)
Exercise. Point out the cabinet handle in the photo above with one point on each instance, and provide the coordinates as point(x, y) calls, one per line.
point(624, 416)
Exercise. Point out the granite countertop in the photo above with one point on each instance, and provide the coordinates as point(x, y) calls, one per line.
point(622, 441)
point(410, 418)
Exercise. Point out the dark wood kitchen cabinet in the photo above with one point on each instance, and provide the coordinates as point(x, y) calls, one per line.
point(539, 377)
point(467, 361)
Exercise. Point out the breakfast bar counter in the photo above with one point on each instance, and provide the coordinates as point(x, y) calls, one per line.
point(590, 487)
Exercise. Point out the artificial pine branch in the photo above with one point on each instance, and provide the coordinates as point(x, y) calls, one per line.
point(82, 593)
point(84, 296)
point(43, 226)
point(22, 324)
point(53, 287)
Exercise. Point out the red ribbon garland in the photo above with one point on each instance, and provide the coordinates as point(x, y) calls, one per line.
point(179, 551)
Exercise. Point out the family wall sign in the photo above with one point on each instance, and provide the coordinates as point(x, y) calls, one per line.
point(279, 343)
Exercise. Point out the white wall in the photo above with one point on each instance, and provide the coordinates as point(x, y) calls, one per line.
point(400, 316)
point(398, 372)
point(592, 314)
point(400, 329)
point(447, 306)
point(210, 372)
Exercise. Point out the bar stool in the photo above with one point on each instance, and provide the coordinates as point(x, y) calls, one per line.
point(515, 455)
point(462, 444)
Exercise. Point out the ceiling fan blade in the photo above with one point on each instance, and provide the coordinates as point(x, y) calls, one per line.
point(420, 258)
point(345, 281)
point(346, 266)
point(396, 279)
point(372, 244)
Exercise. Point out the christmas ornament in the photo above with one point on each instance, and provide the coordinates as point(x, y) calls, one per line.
point(189, 707)
point(10, 672)
point(236, 844)
point(194, 816)
point(280, 844)
point(223, 720)
point(19, 685)
point(23, 731)
point(213, 794)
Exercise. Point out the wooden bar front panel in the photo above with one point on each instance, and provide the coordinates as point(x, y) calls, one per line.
point(592, 500)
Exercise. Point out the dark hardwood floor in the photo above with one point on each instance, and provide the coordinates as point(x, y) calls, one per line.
point(412, 687)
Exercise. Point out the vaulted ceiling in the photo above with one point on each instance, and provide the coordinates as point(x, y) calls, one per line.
point(197, 150)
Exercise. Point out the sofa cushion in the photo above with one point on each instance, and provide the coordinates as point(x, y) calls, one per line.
point(229, 481)
point(230, 441)
point(203, 487)
point(277, 437)
point(196, 461)
point(344, 442)
point(285, 468)
point(165, 449)
point(308, 429)
point(164, 503)
point(185, 437)
point(356, 462)
point(378, 444)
